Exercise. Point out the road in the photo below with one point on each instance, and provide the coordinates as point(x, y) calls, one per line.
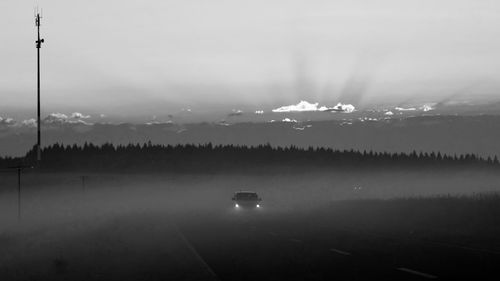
point(228, 245)
point(256, 246)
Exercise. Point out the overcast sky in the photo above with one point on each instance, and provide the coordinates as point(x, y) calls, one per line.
point(153, 56)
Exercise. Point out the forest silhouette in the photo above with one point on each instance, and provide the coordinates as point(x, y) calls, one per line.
point(207, 157)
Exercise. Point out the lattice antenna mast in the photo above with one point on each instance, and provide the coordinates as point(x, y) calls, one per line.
point(38, 42)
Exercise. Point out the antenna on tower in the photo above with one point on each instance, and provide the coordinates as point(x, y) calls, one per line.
point(38, 46)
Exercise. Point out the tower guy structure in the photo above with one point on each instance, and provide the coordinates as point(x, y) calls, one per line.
point(38, 46)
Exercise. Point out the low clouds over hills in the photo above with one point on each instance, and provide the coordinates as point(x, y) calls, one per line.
point(447, 134)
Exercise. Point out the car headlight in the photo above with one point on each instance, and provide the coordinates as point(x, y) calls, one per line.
point(258, 206)
point(236, 205)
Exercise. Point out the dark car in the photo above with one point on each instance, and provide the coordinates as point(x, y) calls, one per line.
point(246, 199)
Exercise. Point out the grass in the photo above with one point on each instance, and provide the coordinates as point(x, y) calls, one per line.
point(458, 219)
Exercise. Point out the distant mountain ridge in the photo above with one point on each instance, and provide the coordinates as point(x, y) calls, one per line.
point(450, 134)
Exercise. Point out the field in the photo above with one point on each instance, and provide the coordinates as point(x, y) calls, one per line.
point(356, 225)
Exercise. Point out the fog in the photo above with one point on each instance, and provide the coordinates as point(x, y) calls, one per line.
point(61, 198)
point(127, 226)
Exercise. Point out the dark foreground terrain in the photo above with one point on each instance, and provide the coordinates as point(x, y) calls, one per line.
point(186, 228)
point(320, 245)
point(254, 245)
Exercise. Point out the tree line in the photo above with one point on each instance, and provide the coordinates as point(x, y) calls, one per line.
point(208, 157)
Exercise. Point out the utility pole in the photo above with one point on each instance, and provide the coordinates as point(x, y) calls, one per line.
point(19, 169)
point(19, 193)
point(83, 183)
point(38, 46)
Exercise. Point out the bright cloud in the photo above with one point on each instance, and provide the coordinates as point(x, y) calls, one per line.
point(288, 120)
point(78, 115)
point(426, 107)
point(405, 109)
point(389, 113)
point(56, 118)
point(306, 106)
point(340, 107)
point(301, 106)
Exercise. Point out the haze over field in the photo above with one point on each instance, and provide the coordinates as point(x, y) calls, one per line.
point(135, 227)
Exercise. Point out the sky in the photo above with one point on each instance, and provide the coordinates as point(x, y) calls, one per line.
point(151, 57)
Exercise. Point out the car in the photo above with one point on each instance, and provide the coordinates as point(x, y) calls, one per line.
point(246, 199)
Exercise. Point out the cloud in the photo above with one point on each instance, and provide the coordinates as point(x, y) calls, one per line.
point(288, 120)
point(56, 118)
point(426, 107)
point(79, 121)
point(259, 112)
point(301, 128)
point(389, 113)
point(304, 106)
point(367, 119)
point(301, 106)
point(235, 112)
point(78, 115)
point(155, 122)
point(405, 109)
point(7, 121)
point(346, 108)
point(29, 122)
point(61, 118)
point(224, 123)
